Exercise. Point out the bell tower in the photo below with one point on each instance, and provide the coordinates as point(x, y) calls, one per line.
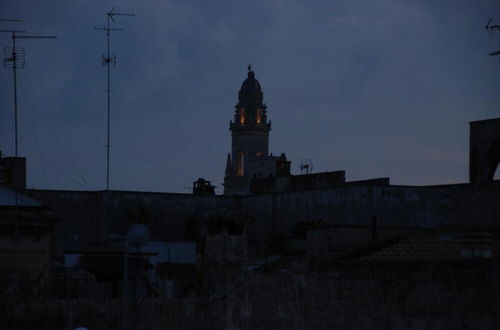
point(249, 135)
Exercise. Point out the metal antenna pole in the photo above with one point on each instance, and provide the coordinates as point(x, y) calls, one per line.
point(14, 69)
point(11, 61)
point(14, 58)
point(108, 60)
point(108, 90)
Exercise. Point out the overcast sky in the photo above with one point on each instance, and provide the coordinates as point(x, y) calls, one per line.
point(377, 88)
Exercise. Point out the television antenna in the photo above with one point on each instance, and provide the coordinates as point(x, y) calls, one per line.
point(306, 165)
point(10, 20)
point(109, 60)
point(15, 59)
point(491, 29)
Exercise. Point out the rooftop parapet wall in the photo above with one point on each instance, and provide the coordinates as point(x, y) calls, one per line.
point(402, 206)
point(351, 205)
point(85, 223)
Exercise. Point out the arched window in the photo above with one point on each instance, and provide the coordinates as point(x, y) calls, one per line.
point(257, 116)
point(242, 117)
point(240, 170)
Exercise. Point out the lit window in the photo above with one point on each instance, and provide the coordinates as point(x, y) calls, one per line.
point(257, 118)
point(241, 164)
point(242, 117)
point(259, 154)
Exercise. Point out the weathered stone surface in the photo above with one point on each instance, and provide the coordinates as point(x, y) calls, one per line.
point(85, 224)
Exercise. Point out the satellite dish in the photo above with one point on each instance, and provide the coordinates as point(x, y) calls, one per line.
point(138, 235)
point(306, 165)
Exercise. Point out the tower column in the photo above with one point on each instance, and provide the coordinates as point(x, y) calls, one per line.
point(249, 135)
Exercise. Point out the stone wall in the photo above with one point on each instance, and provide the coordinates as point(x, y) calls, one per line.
point(362, 297)
point(394, 206)
point(86, 224)
point(354, 205)
point(88, 218)
point(351, 296)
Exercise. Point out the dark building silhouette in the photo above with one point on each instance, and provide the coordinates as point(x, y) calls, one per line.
point(202, 187)
point(484, 149)
point(249, 140)
point(279, 250)
point(261, 186)
point(250, 168)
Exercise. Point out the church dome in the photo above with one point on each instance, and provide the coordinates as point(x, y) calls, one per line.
point(250, 85)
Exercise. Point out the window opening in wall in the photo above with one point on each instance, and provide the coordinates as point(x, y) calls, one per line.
point(242, 117)
point(259, 154)
point(240, 171)
point(257, 116)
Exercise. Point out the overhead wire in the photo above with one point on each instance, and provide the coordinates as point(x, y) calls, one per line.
point(75, 175)
point(181, 125)
point(180, 150)
point(29, 108)
point(53, 133)
point(40, 118)
point(153, 164)
point(89, 166)
point(61, 93)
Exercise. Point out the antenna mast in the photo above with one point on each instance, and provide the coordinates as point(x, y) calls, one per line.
point(306, 165)
point(14, 59)
point(108, 60)
point(8, 54)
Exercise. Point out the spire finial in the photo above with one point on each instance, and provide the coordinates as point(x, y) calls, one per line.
point(249, 67)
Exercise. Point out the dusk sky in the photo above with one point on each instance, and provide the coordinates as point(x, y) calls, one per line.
point(376, 88)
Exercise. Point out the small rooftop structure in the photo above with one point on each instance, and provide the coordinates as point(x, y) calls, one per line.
point(202, 187)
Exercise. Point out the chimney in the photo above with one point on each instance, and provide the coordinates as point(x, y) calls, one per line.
point(202, 187)
point(16, 167)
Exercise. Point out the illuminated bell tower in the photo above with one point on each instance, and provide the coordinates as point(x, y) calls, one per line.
point(250, 136)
